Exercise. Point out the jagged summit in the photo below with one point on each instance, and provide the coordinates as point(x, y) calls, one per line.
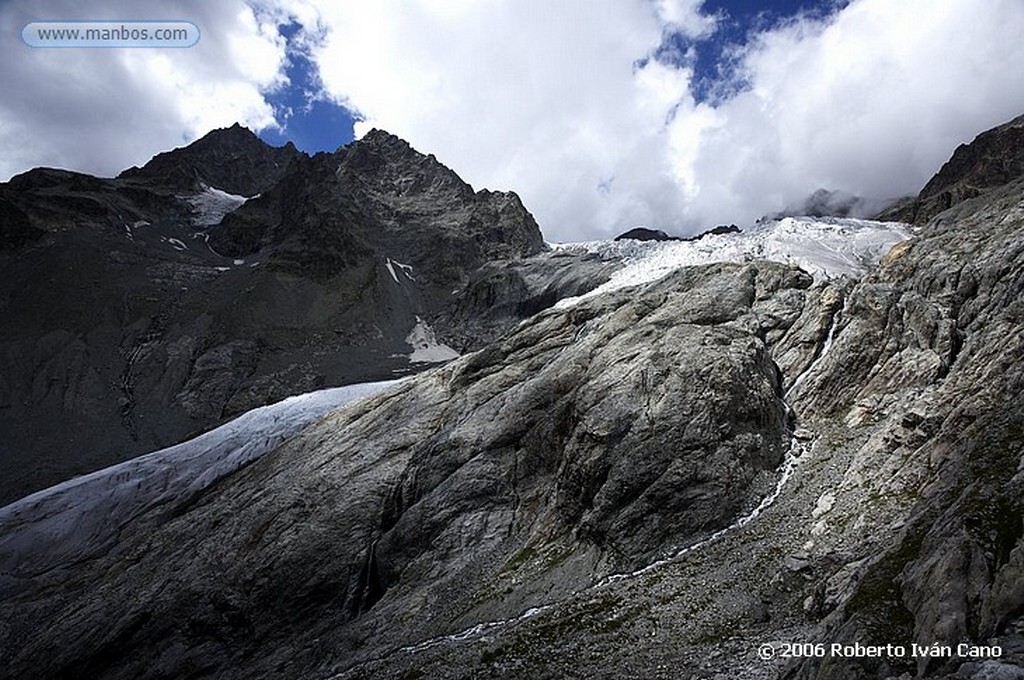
point(232, 159)
point(380, 137)
point(221, 276)
point(388, 164)
point(994, 158)
point(387, 143)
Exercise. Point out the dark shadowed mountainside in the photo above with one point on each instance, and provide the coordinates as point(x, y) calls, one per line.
point(225, 275)
point(993, 159)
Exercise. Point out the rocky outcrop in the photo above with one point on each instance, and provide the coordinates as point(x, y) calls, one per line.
point(141, 310)
point(645, 234)
point(499, 294)
point(993, 159)
point(720, 230)
point(589, 441)
point(232, 159)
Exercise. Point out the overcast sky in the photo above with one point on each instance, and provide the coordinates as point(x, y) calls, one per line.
point(602, 115)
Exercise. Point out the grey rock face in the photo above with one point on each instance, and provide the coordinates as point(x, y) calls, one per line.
point(586, 442)
point(931, 345)
point(135, 324)
point(501, 293)
point(16, 228)
point(379, 196)
point(598, 493)
point(993, 159)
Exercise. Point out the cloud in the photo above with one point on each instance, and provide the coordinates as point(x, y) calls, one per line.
point(872, 101)
point(540, 97)
point(99, 110)
point(586, 109)
point(564, 103)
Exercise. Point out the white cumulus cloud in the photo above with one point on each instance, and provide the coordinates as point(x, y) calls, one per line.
point(872, 102)
point(561, 102)
point(545, 98)
point(574, 104)
point(101, 110)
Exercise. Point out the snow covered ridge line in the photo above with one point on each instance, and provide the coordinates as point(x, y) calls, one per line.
point(824, 247)
point(82, 516)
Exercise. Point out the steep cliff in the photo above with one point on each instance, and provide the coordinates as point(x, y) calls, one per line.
point(681, 478)
point(219, 277)
point(993, 159)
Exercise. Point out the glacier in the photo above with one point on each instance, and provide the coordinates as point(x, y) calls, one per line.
point(82, 516)
point(211, 205)
point(825, 247)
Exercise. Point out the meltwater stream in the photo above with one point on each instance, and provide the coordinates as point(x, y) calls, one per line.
point(786, 469)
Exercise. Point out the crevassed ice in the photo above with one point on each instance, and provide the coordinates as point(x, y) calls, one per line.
point(81, 516)
point(824, 247)
point(211, 205)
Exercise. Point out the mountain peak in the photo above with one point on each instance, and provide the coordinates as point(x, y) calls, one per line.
point(993, 158)
point(236, 132)
point(379, 136)
point(392, 165)
point(390, 145)
point(232, 159)
point(831, 203)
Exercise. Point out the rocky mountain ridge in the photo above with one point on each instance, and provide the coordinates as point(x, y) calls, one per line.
point(221, 276)
point(680, 479)
point(232, 159)
point(994, 158)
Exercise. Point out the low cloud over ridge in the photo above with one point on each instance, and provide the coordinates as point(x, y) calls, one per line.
point(564, 104)
point(573, 105)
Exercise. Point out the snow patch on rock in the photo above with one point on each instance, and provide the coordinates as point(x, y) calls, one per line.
point(392, 265)
point(425, 347)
